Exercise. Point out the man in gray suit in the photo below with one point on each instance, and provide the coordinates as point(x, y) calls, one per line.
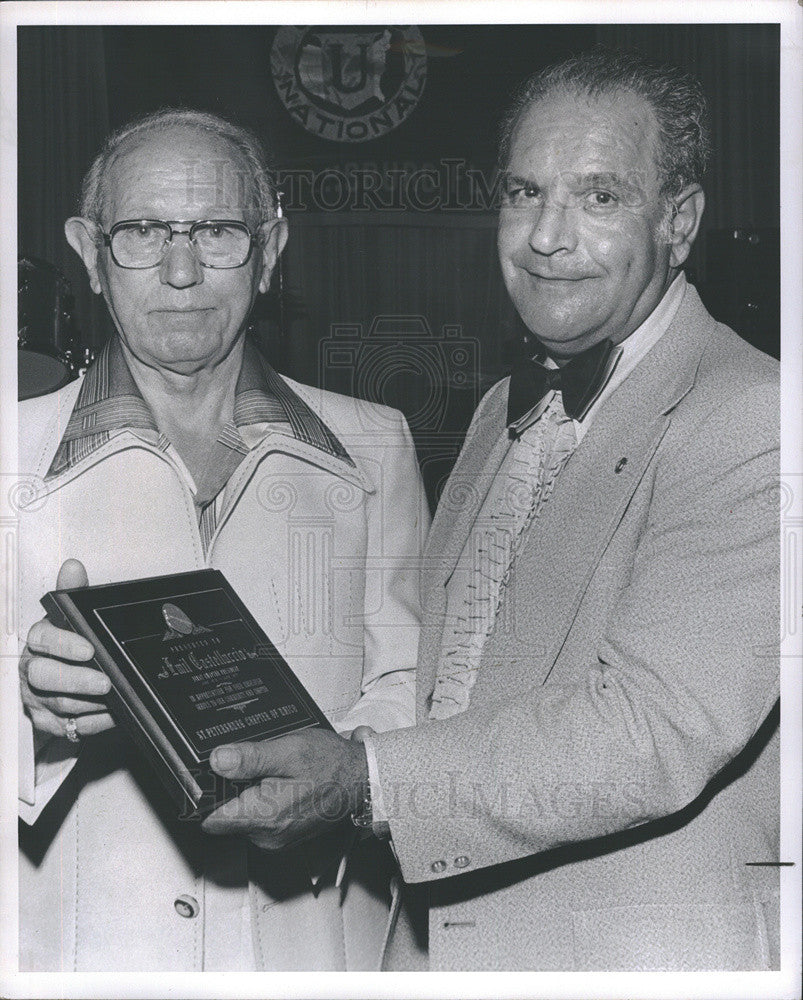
point(595, 770)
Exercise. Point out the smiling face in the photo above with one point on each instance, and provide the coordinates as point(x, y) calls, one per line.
point(580, 230)
point(179, 316)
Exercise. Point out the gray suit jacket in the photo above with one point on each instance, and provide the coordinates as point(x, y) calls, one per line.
point(617, 768)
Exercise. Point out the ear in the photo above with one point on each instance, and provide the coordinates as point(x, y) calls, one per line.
point(82, 236)
point(683, 228)
point(272, 238)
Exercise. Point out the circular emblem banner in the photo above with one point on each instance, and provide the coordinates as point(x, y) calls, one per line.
point(349, 84)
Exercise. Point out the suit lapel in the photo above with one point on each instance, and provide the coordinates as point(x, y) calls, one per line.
point(565, 544)
point(465, 492)
point(563, 547)
point(461, 501)
point(558, 555)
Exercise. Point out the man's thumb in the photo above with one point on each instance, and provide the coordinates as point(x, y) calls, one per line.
point(261, 759)
point(72, 574)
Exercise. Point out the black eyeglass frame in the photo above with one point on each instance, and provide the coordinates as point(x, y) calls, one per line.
point(108, 237)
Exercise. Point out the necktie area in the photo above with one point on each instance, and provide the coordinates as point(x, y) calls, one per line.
point(580, 382)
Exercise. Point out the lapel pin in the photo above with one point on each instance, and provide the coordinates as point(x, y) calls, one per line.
point(620, 465)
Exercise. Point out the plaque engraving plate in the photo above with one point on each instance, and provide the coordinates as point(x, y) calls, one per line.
point(190, 669)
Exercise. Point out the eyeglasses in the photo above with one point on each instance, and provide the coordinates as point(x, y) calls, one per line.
point(142, 243)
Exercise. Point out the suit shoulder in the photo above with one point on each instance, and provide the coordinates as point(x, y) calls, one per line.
point(735, 400)
point(36, 411)
point(349, 414)
point(726, 366)
point(42, 420)
point(730, 360)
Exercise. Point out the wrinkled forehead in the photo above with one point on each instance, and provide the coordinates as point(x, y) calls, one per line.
point(612, 132)
point(179, 173)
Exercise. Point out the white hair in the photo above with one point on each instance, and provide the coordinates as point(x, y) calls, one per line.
point(258, 176)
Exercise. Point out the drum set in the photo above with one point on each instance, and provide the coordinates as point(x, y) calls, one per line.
point(49, 354)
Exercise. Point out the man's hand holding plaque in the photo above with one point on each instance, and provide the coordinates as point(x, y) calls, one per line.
point(61, 695)
point(189, 666)
point(304, 784)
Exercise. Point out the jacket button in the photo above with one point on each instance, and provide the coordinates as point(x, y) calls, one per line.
point(438, 866)
point(186, 906)
point(461, 862)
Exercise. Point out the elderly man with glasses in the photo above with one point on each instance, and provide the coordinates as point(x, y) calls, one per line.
point(180, 449)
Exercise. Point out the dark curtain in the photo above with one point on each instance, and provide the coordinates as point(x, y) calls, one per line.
point(406, 309)
point(63, 119)
point(737, 65)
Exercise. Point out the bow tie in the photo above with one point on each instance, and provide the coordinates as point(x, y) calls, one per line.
point(580, 381)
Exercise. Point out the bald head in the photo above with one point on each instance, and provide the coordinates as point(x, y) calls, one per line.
point(240, 176)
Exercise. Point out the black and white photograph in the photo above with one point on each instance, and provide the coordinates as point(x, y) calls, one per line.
point(401, 499)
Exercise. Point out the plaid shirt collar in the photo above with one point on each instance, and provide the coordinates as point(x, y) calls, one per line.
point(109, 402)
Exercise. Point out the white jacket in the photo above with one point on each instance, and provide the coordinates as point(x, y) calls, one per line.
point(326, 557)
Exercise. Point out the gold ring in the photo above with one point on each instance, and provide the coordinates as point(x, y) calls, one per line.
point(71, 727)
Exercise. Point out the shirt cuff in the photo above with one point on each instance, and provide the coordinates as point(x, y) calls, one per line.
point(55, 761)
point(379, 817)
point(26, 759)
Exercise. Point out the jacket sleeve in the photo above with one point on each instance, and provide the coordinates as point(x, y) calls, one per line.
point(43, 764)
point(398, 520)
point(686, 671)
